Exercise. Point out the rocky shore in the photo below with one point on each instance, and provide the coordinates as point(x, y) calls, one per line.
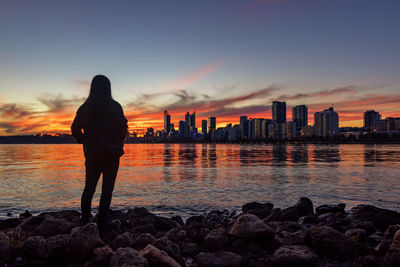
point(261, 235)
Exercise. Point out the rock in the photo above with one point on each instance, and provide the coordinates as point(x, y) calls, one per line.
point(309, 219)
point(123, 240)
point(143, 240)
point(4, 245)
point(391, 230)
point(102, 256)
point(219, 259)
point(368, 226)
point(125, 257)
point(82, 241)
point(10, 223)
point(51, 226)
point(288, 238)
point(197, 219)
point(383, 247)
point(304, 206)
point(329, 208)
point(145, 228)
point(31, 223)
point(288, 226)
point(55, 246)
point(275, 215)
point(217, 239)
point(178, 219)
point(291, 214)
point(258, 209)
point(33, 247)
point(331, 243)
point(176, 235)
point(296, 256)
point(392, 257)
point(189, 249)
point(164, 224)
point(375, 238)
point(170, 248)
point(381, 218)
point(157, 257)
point(71, 216)
point(26, 214)
point(356, 234)
point(251, 227)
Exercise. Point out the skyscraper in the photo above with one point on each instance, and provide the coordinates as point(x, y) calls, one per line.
point(300, 116)
point(244, 127)
point(212, 123)
point(167, 121)
point(369, 117)
point(192, 121)
point(204, 126)
point(187, 117)
point(326, 123)
point(279, 112)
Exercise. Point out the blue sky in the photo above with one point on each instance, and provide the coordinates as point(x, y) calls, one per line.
point(220, 49)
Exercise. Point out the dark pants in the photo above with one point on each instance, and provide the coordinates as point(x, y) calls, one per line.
point(95, 166)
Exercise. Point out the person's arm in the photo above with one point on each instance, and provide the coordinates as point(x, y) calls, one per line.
point(124, 126)
point(76, 128)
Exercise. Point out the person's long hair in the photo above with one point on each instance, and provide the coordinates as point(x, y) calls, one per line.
point(99, 101)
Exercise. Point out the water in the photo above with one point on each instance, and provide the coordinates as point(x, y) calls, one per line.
point(187, 179)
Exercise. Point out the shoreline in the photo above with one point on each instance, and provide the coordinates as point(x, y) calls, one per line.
point(259, 235)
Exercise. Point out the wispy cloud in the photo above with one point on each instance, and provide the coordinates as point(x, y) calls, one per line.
point(350, 90)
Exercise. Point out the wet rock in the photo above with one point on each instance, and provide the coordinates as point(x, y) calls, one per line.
point(219, 259)
point(304, 206)
point(392, 257)
point(383, 247)
point(10, 223)
point(217, 239)
point(178, 219)
point(356, 234)
point(375, 238)
point(391, 230)
point(189, 249)
point(381, 218)
point(309, 219)
point(368, 226)
point(71, 216)
point(31, 223)
point(51, 226)
point(127, 257)
point(275, 215)
point(330, 208)
point(170, 248)
point(164, 224)
point(102, 256)
point(123, 240)
point(33, 247)
point(295, 256)
point(250, 226)
point(82, 241)
point(55, 246)
point(261, 210)
point(26, 214)
point(145, 228)
point(156, 257)
point(197, 219)
point(4, 245)
point(143, 240)
point(331, 243)
point(338, 221)
point(291, 214)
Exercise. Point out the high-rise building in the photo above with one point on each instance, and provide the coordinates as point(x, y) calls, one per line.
point(258, 129)
point(326, 123)
point(192, 121)
point(369, 117)
point(244, 127)
point(212, 123)
point(187, 117)
point(184, 129)
point(264, 128)
point(204, 126)
point(289, 130)
point(300, 116)
point(167, 121)
point(279, 112)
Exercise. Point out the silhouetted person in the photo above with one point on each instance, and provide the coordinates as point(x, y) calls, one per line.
point(100, 125)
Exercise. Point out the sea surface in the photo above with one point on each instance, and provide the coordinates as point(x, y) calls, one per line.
point(187, 179)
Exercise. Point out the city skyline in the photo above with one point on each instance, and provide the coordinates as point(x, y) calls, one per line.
point(221, 58)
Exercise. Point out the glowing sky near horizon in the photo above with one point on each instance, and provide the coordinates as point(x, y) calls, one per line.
point(222, 58)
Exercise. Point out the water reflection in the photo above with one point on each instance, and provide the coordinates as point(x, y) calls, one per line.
point(40, 177)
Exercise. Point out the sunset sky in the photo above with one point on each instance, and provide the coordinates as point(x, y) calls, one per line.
point(222, 58)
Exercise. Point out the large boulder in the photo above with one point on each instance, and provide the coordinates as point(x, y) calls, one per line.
point(170, 248)
point(82, 241)
point(219, 259)
point(52, 226)
point(296, 256)
point(32, 247)
point(216, 239)
point(275, 215)
point(330, 208)
point(304, 206)
point(125, 257)
point(4, 245)
point(102, 256)
point(250, 226)
point(331, 243)
point(143, 240)
point(381, 218)
point(261, 210)
point(392, 257)
point(158, 257)
point(291, 214)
